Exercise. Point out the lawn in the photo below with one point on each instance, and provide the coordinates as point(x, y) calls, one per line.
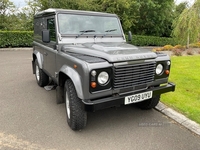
point(185, 73)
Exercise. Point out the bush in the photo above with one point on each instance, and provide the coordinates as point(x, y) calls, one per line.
point(16, 39)
point(168, 48)
point(189, 52)
point(177, 52)
point(179, 47)
point(195, 45)
point(140, 40)
point(25, 39)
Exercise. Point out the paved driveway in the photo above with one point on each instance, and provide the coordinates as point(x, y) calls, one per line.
point(30, 119)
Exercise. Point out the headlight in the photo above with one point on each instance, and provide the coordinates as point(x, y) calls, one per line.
point(168, 63)
point(103, 78)
point(159, 69)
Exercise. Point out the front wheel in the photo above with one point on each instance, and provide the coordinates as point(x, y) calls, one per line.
point(76, 115)
point(150, 103)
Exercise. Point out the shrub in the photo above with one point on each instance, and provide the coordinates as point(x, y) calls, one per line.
point(195, 45)
point(140, 40)
point(25, 38)
point(16, 38)
point(177, 52)
point(179, 47)
point(158, 49)
point(189, 52)
point(167, 47)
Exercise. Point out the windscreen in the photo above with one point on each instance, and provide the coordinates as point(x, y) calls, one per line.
point(72, 24)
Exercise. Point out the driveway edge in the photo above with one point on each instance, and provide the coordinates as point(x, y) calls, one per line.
point(16, 49)
point(181, 119)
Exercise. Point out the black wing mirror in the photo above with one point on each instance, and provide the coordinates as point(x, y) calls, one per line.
point(46, 36)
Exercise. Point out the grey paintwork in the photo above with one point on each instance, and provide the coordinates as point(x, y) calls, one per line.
point(86, 52)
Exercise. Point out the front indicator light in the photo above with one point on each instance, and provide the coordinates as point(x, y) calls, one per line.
point(167, 72)
point(93, 85)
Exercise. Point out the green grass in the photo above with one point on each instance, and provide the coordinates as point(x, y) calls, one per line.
point(185, 73)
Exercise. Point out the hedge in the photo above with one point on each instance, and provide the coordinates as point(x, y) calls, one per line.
point(140, 40)
point(16, 39)
point(25, 39)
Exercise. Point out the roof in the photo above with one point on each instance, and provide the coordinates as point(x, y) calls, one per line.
point(51, 11)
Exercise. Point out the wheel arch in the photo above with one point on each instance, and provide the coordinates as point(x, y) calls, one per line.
point(37, 55)
point(69, 73)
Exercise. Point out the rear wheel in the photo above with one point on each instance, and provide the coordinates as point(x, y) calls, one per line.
point(41, 77)
point(76, 115)
point(150, 103)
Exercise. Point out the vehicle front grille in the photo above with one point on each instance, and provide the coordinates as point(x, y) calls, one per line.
point(133, 75)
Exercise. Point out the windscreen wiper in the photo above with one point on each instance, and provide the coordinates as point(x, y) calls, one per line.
point(111, 30)
point(84, 31)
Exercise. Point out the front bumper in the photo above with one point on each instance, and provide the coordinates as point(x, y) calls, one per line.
point(119, 100)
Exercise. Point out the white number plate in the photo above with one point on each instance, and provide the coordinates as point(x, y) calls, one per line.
point(137, 97)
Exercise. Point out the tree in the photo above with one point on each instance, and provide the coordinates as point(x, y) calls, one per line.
point(187, 26)
point(155, 18)
point(146, 17)
point(127, 10)
point(6, 11)
point(180, 8)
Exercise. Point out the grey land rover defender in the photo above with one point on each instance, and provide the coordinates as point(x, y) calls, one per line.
point(86, 56)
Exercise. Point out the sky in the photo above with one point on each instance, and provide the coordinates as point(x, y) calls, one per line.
point(179, 1)
point(22, 3)
point(19, 3)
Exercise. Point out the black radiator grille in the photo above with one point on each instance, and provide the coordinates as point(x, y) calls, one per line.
point(133, 75)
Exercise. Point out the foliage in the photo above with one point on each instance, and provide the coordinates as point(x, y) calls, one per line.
point(186, 98)
point(147, 17)
point(177, 52)
point(179, 47)
point(168, 47)
point(140, 40)
point(180, 8)
point(155, 18)
point(6, 9)
point(189, 52)
point(13, 18)
point(187, 26)
point(195, 45)
point(25, 38)
point(176, 49)
point(16, 38)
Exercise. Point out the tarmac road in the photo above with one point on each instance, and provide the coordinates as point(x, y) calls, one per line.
point(30, 119)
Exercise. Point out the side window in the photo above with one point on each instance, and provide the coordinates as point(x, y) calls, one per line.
point(51, 28)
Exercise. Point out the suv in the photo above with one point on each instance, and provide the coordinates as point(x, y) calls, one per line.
point(86, 56)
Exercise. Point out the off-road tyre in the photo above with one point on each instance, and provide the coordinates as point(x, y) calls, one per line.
point(149, 104)
point(76, 115)
point(41, 77)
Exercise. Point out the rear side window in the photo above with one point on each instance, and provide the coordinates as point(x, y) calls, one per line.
point(51, 28)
